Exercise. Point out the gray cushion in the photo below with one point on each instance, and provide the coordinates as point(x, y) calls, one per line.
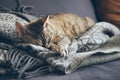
point(45, 7)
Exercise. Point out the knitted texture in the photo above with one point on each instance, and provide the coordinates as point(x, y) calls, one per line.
point(7, 26)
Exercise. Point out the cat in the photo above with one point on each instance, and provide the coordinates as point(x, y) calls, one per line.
point(54, 31)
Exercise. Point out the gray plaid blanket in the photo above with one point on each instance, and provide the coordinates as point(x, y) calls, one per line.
point(98, 45)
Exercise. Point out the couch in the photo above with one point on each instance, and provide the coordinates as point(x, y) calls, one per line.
point(106, 71)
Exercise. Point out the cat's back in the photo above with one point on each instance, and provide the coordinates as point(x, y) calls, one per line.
point(65, 17)
point(70, 23)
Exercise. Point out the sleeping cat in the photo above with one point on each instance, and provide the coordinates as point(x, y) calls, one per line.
point(54, 31)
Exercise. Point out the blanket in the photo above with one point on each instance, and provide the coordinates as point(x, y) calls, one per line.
point(28, 60)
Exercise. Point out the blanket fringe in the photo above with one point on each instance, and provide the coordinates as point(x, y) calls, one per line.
point(25, 65)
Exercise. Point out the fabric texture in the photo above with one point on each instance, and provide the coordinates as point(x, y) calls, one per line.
point(108, 10)
point(9, 16)
point(8, 21)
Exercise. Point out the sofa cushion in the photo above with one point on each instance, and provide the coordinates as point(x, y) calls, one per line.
point(45, 7)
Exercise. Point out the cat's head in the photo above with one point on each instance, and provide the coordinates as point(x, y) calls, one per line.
point(33, 32)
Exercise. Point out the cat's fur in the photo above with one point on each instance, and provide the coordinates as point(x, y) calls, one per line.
point(54, 31)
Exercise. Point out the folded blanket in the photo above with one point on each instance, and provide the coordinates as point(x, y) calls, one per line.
point(29, 60)
point(97, 49)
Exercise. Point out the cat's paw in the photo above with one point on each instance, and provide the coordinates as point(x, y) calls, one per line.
point(63, 52)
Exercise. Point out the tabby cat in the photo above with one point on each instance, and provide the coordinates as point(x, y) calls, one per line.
point(54, 31)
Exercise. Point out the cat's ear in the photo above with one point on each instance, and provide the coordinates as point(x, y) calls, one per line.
point(46, 21)
point(20, 29)
point(89, 21)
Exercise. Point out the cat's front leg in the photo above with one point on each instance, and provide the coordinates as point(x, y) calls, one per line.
point(62, 46)
point(63, 50)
